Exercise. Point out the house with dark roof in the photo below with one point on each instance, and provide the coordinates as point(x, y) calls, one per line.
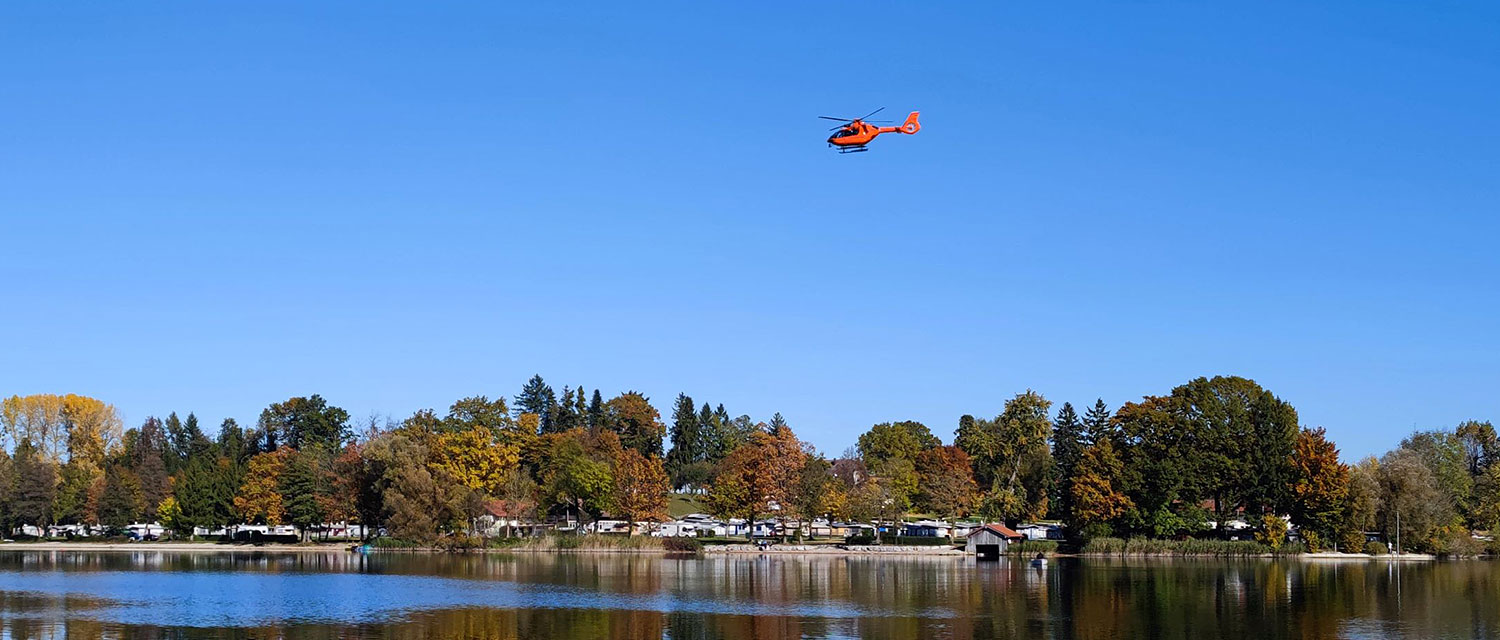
point(989, 541)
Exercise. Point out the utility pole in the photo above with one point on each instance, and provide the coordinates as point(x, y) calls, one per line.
point(1398, 530)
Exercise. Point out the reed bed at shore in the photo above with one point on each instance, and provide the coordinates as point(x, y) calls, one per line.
point(1190, 547)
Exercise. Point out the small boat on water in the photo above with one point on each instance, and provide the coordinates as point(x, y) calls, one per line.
point(1040, 561)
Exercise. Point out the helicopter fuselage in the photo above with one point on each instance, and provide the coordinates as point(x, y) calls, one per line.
point(858, 134)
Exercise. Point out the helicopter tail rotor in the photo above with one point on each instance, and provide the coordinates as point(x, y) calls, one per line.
point(911, 125)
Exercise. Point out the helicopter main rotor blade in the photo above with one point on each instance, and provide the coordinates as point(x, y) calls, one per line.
point(839, 119)
point(873, 113)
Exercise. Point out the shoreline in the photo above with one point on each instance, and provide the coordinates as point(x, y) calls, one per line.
point(714, 550)
point(206, 547)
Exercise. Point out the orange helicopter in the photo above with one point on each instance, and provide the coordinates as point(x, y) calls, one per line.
point(852, 136)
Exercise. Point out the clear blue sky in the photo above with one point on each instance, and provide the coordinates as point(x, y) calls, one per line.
point(210, 209)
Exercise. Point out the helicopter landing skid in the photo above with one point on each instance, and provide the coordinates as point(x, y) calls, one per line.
point(858, 149)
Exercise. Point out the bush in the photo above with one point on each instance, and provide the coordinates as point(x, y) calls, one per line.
point(1031, 547)
point(859, 541)
point(1376, 548)
point(1459, 544)
point(1272, 531)
point(1313, 540)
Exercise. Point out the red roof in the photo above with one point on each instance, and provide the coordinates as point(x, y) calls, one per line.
point(1002, 531)
point(507, 508)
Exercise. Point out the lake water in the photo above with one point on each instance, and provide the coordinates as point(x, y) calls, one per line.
point(147, 594)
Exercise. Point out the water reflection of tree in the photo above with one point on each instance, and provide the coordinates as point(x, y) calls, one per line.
point(781, 597)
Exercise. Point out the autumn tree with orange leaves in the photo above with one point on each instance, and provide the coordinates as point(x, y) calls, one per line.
point(945, 483)
point(1095, 492)
point(758, 476)
point(1320, 486)
point(640, 488)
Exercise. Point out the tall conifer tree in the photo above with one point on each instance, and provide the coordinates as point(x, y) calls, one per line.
point(686, 439)
point(1067, 448)
point(1096, 424)
point(538, 398)
point(596, 411)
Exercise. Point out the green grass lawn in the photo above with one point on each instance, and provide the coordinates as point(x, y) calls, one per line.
point(682, 504)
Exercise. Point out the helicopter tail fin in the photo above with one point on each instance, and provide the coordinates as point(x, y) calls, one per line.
point(911, 125)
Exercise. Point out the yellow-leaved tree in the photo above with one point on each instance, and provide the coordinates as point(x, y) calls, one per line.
point(78, 426)
point(473, 458)
point(259, 498)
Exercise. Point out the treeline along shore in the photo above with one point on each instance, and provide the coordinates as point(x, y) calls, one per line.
point(1210, 461)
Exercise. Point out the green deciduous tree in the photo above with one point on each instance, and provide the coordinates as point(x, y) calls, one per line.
point(1012, 462)
point(302, 422)
point(639, 425)
point(579, 473)
point(816, 493)
point(1412, 499)
point(890, 451)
